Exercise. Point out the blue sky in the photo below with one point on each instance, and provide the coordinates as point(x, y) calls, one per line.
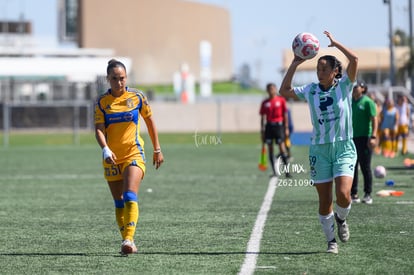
point(261, 29)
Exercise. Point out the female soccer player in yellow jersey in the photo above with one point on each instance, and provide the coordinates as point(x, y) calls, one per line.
point(117, 126)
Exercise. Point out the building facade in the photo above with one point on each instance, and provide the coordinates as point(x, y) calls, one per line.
point(158, 36)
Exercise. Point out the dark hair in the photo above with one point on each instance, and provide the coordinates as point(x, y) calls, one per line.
point(269, 85)
point(113, 63)
point(364, 86)
point(334, 62)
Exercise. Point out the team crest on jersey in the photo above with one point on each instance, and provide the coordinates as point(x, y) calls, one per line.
point(130, 103)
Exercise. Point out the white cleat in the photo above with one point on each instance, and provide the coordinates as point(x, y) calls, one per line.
point(128, 247)
point(343, 229)
point(332, 248)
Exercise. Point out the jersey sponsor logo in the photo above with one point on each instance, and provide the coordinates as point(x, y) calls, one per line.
point(121, 117)
point(128, 116)
point(325, 102)
point(323, 120)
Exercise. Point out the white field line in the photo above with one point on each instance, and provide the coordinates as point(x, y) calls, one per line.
point(253, 247)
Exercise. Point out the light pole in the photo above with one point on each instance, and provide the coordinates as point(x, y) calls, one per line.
point(392, 63)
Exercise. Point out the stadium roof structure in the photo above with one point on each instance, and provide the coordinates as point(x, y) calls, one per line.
point(71, 64)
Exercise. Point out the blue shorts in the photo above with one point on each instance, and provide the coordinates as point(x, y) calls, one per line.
point(331, 160)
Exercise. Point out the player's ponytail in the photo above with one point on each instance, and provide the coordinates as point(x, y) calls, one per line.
point(113, 63)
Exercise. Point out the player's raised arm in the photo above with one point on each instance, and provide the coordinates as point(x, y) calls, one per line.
point(286, 88)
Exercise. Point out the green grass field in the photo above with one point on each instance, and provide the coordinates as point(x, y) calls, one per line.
point(56, 213)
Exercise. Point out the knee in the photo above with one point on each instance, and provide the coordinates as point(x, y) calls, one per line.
point(343, 198)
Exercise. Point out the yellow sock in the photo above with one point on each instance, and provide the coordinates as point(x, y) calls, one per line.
point(131, 214)
point(287, 142)
point(119, 214)
point(387, 146)
point(404, 145)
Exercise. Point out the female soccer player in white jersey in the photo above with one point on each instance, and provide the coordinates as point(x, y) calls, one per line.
point(117, 124)
point(332, 153)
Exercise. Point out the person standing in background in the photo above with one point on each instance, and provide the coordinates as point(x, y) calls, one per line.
point(389, 124)
point(274, 125)
point(365, 125)
point(403, 109)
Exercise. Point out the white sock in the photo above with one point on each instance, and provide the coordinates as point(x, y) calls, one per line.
point(341, 212)
point(327, 223)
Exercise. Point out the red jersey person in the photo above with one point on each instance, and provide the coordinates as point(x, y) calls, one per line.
point(274, 126)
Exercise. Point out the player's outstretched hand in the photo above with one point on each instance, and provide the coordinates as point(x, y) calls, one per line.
point(332, 40)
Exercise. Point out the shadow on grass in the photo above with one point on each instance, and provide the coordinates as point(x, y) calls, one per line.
point(47, 254)
point(170, 253)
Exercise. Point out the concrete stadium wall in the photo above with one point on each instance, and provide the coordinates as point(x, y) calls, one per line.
point(219, 117)
point(170, 117)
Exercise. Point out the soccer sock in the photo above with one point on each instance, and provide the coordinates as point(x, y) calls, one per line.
point(395, 145)
point(288, 145)
point(327, 223)
point(272, 162)
point(285, 158)
point(404, 145)
point(387, 145)
point(119, 214)
point(341, 212)
point(131, 214)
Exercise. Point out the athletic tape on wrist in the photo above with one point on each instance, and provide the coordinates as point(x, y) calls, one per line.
point(106, 152)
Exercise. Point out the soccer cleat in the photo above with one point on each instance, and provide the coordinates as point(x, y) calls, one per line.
point(367, 199)
point(332, 247)
point(343, 229)
point(128, 247)
point(355, 198)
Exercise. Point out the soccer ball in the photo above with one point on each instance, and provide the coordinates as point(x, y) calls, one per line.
point(380, 172)
point(305, 45)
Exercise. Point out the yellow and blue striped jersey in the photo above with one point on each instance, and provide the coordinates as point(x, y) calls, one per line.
point(122, 124)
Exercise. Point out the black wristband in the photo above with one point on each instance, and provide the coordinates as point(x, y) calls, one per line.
point(373, 137)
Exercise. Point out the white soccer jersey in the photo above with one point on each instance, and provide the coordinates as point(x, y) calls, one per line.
point(402, 111)
point(331, 111)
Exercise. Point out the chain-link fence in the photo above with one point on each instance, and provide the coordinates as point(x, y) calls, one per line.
point(46, 103)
